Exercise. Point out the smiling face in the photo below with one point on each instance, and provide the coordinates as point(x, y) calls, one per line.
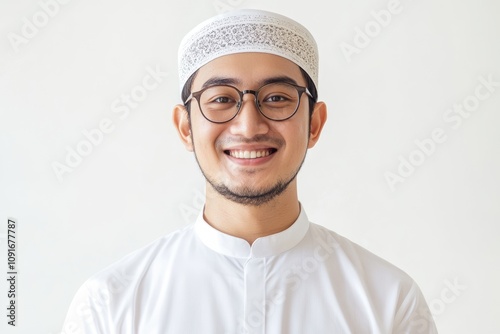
point(250, 159)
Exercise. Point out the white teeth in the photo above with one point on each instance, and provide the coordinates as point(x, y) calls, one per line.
point(249, 154)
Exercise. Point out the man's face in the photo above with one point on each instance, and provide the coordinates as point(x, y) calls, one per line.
point(250, 159)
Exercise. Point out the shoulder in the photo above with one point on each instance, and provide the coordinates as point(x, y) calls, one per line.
point(132, 267)
point(109, 294)
point(357, 259)
point(390, 290)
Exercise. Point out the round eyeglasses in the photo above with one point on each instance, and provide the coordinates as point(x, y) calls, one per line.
point(276, 101)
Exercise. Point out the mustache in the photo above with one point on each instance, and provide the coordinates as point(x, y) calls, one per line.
point(224, 142)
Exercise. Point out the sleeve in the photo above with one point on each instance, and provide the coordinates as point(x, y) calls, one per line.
point(413, 315)
point(88, 312)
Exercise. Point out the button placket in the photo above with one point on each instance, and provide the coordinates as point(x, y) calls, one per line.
point(255, 276)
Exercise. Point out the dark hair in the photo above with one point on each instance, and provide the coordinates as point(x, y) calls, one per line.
point(186, 90)
point(312, 89)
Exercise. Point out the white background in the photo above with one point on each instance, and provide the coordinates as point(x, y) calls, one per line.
point(441, 225)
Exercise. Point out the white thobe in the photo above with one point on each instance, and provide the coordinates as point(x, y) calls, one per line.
point(305, 279)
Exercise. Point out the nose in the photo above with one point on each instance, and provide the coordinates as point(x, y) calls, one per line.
point(249, 122)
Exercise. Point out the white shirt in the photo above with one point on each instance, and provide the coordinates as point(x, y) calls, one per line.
point(306, 279)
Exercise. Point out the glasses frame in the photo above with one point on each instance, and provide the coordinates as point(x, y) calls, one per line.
point(300, 90)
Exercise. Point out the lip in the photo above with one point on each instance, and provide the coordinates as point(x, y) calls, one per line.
point(250, 148)
point(250, 161)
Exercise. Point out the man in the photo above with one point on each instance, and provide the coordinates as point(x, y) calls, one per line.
point(252, 262)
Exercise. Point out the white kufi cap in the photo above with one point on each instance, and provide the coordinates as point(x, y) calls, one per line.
point(247, 30)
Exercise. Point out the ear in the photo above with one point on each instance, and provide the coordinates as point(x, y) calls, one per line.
point(318, 120)
point(181, 122)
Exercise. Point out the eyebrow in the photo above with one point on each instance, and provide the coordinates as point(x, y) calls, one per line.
point(214, 81)
point(282, 78)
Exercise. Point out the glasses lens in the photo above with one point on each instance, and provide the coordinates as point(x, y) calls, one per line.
point(278, 101)
point(219, 103)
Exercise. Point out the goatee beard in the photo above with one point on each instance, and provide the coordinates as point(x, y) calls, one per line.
point(246, 195)
point(251, 197)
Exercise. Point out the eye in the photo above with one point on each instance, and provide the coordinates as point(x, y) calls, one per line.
point(222, 99)
point(276, 98)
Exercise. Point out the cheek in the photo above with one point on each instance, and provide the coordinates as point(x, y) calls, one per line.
point(301, 129)
point(204, 136)
point(301, 139)
point(296, 137)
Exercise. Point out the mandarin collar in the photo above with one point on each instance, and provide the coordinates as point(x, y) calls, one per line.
point(270, 245)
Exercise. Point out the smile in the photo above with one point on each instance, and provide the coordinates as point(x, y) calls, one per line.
point(240, 154)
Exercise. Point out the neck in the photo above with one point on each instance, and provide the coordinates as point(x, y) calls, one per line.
point(252, 222)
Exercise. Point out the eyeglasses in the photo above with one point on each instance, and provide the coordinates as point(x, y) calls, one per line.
point(276, 101)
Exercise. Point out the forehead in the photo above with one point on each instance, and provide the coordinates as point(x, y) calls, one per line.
point(248, 69)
